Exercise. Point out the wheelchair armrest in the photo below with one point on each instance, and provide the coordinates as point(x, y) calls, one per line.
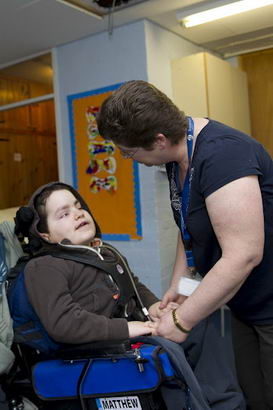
point(94, 349)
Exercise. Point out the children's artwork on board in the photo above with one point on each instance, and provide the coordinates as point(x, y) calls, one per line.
point(109, 182)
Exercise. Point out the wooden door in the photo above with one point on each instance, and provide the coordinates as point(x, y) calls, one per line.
point(259, 69)
point(4, 170)
point(28, 153)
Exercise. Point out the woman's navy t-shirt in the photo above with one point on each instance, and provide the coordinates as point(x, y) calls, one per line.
point(223, 154)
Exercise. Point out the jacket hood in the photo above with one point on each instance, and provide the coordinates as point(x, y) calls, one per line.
point(27, 219)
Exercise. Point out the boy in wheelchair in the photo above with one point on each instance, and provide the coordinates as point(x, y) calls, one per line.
point(81, 290)
point(76, 303)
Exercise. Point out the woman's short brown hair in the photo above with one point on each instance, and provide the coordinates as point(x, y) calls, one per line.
point(136, 113)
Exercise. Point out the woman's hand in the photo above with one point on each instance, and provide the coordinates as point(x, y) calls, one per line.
point(141, 328)
point(166, 328)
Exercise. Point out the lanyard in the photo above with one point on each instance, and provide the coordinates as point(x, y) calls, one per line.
point(185, 195)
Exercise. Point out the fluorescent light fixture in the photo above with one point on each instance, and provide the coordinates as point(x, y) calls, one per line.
point(78, 5)
point(216, 11)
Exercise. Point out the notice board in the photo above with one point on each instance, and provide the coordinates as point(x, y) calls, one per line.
point(108, 183)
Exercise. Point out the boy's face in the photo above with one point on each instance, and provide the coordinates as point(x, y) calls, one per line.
point(67, 220)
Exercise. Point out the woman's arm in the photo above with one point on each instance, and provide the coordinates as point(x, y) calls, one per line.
point(236, 214)
point(180, 269)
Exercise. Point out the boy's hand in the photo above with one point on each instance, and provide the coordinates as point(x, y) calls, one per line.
point(141, 328)
point(156, 312)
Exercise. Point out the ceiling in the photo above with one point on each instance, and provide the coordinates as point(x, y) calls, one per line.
point(29, 27)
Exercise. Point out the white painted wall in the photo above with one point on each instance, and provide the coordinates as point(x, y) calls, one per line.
point(162, 47)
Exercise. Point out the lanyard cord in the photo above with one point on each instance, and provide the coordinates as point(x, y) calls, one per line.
point(185, 195)
point(143, 308)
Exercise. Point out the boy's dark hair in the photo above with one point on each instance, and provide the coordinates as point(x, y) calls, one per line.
point(40, 205)
point(135, 113)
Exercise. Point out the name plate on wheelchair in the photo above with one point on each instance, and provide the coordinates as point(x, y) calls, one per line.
point(125, 402)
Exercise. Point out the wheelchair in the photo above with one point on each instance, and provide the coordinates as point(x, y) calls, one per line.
point(131, 374)
point(97, 376)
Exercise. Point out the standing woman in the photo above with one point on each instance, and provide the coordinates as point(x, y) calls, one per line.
point(221, 190)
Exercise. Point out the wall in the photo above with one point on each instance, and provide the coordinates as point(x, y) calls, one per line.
point(140, 50)
point(91, 63)
point(162, 47)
